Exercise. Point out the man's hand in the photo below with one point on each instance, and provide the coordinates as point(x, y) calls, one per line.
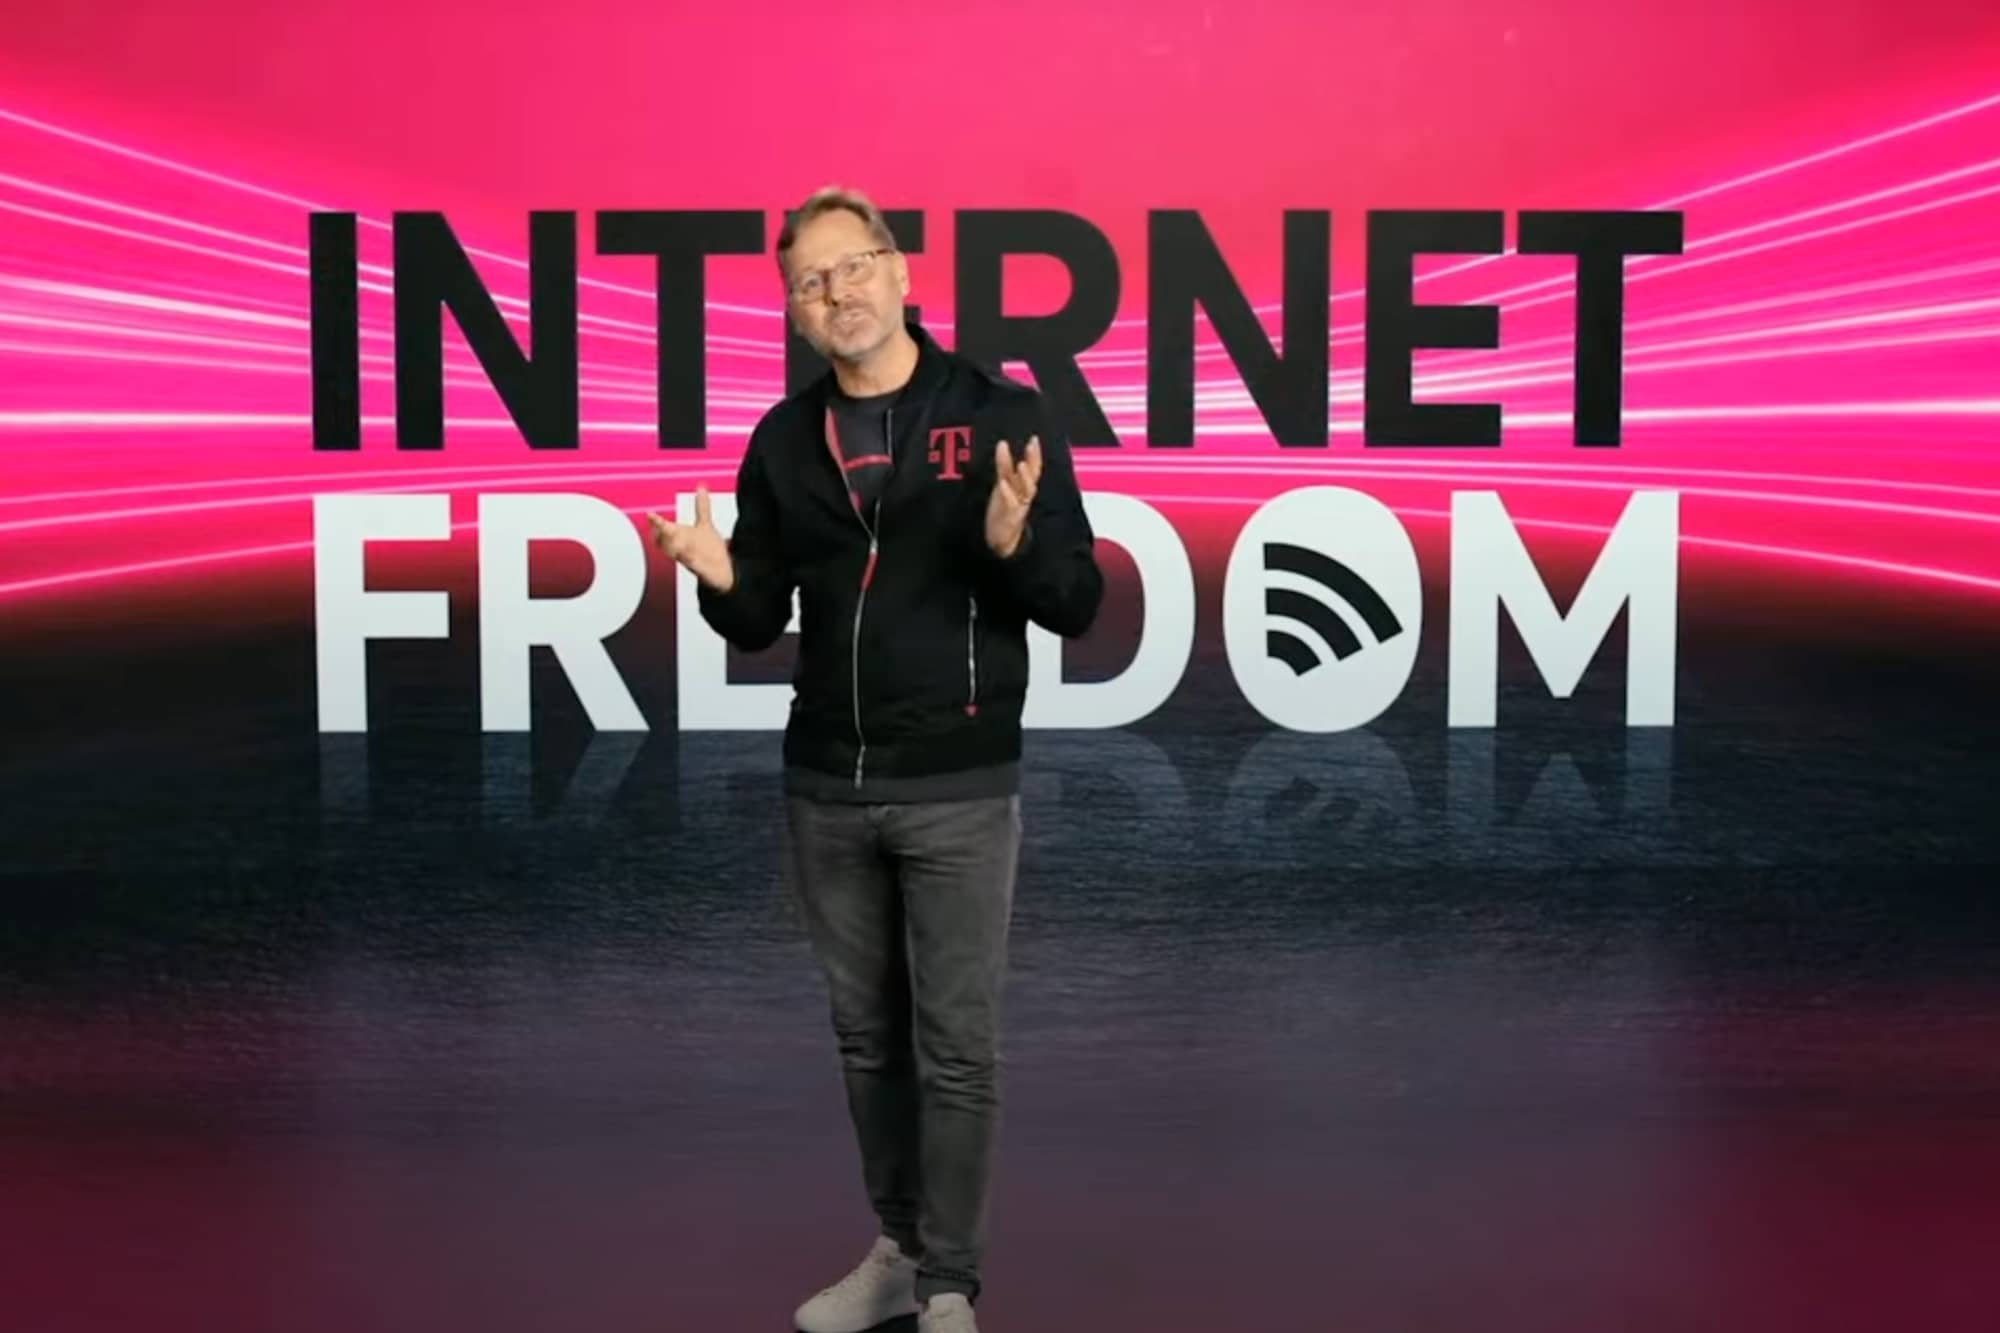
point(698, 545)
point(1013, 492)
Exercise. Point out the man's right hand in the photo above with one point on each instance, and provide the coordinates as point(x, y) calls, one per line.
point(698, 545)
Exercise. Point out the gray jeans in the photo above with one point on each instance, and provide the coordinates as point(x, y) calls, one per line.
point(908, 907)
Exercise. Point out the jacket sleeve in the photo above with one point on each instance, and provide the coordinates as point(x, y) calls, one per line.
point(756, 609)
point(1053, 575)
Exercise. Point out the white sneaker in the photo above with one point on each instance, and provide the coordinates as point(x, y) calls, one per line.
point(881, 1287)
point(947, 1312)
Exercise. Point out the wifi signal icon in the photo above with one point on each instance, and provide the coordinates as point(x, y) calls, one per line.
point(1322, 608)
point(1286, 605)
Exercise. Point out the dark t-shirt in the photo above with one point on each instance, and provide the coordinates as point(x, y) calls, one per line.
point(863, 424)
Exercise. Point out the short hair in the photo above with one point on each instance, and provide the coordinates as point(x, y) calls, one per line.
point(828, 199)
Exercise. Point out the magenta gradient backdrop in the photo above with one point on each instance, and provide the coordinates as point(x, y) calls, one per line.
point(1816, 374)
point(1664, 1031)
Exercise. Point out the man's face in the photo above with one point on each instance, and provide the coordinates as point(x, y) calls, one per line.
point(854, 300)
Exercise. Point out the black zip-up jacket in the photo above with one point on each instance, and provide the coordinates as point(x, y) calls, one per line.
point(912, 658)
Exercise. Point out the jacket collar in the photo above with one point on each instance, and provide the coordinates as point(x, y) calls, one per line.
point(929, 372)
point(930, 368)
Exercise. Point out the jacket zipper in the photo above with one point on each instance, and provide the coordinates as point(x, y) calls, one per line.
point(854, 670)
point(861, 602)
point(867, 576)
point(972, 656)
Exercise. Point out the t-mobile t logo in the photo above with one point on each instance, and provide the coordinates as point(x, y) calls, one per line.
point(951, 450)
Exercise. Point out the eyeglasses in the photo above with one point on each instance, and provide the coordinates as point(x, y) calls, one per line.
point(855, 268)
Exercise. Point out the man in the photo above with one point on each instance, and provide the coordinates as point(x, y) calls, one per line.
point(925, 509)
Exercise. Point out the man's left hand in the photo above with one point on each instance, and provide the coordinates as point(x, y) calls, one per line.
point(1013, 492)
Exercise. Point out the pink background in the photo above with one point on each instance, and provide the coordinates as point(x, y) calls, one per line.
point(1815, 374)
